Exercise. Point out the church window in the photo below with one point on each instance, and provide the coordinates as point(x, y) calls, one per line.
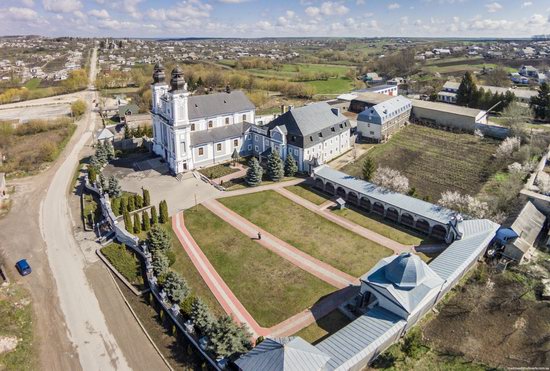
point(218, 147)
point(244, 118)
point(227, 120)
point(192, 127)
point(235, 142)
point(201, 151)
point(210, 124)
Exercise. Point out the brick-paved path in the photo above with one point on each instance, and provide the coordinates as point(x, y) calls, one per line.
point(234, 307)
point(297, 257)
point(364, 232)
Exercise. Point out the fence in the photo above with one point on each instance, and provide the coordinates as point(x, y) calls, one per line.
point(173, 311)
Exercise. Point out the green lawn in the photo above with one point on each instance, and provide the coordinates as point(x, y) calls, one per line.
point(32, 84)
point(381, 226)
point(217, 171)
point(271, 288)
point(324, 327)
point(332, 85)
point(184, 266)
point(309, 193)
point(124, 261)
point(308, 231)
point(435, 160)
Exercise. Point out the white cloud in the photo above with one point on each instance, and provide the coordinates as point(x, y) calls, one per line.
point(394, 6)
point(233, 1)
point(103, 14)
point(360, 2)
point(526, 4)
point(493, 7)
point(131, 7)
point(19, 14)
point(312, 11)
point(538, 20)
point(333, 8)
point(61, 6)
point(28, 3)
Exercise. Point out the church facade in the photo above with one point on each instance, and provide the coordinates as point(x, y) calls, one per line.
point(196, 131)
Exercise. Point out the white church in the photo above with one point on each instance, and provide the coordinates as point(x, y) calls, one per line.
point(196, 131)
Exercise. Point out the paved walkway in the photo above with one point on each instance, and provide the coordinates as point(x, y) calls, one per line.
point(234, 307)
point(364, 232)
point(268, 187)
point(297, 257)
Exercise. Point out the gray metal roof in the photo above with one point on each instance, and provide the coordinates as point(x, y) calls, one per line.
point(447, 108)
point(476, 236)
point(386, 110)
point(389, 274)
point(360, 337)
point(210, 105)
point(105, 134)
point(308, 125)
point(219, 134)
point(283, 354)
point(422, 208)
point(529, 223)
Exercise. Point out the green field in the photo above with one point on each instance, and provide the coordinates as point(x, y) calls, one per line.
point(332, 86)
point(435, 160)
point(324, 327)
point(308, 193)
point(271, 288)
point(308, 231)
point(125, 262)
point(32, 84)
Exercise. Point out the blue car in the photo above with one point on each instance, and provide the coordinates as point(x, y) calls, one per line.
point(23, 267)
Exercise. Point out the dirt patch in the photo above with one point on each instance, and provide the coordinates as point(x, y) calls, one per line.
point(8, 343)
point(494, 319)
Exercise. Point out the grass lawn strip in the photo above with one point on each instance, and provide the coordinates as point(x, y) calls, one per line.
point(308, 231)
point(308, 193)
point(324, 327)
point(217, 171)
point(125, 262)
point(271, 288)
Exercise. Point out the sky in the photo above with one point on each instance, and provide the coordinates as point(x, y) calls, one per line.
point(262, 18)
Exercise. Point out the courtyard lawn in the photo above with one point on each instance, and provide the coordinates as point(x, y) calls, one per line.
point(381, 226)
point(435, 160)
point(271, 288)
point(184, 266)
point(324, 327)
point(217, 171)
point(309, 194)
point(308, 231)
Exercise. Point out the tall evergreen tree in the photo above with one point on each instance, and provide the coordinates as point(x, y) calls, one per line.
point(109, 150)
point(254, 173)
point(114, 187)
point(131, 203)
point(291, 167)
point(160, 264)
point(159, 240)
point(103, 183)
point(146, 197)
point(138, 201)
point(227, 337)
point(467, 90)
point(154, 216)
point(368, 168)
point(275, 167)
point(146, 221)
point(115, 205)
point(540, 104)
point(128, 222)
point(175, 287)
point(137, 224)
point(123, 205)
point(202, 317)
point(163, 210)
point(235, 156)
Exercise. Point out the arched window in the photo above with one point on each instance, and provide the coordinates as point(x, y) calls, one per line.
point(210, 124)
point(227, 120)
point(192, 127)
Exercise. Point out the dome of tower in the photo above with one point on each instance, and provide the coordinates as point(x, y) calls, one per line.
point(177, 82)
point(405, 271)
point(158, 73)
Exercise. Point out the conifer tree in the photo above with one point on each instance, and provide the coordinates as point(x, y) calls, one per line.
point(138, 201)
point(175, 287)
point(123, 205)
point(137, 224)
point(163, 208)
point(466, 93)
point(128, 222)
point(146, 197)
point(254, 173)
point(160, 264)
point(368, 169)
point(131, 203)
point(114, 187)
point(275, 167)
point(159, 239)
point(540, 104)
point(154, 216)
point(201, 315)
point(291, 167)
point(146, 221)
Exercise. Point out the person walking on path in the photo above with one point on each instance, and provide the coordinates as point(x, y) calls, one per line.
point(259, 236)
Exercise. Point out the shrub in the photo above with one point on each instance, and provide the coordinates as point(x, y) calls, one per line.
point(124, 261)
point(160, 264)
point(154, 216)
point(368, 169)
point(138, 201)
point(187, 304)
point(78, 108)
point(128, 222)
point(391, 179)
point(163, 208)
point(131, 203)
point(123, 205)
point(412, 344)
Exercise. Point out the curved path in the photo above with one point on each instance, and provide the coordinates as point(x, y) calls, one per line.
point(86, 324)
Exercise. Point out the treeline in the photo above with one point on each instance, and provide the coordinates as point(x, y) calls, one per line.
point(401, 64)
point(470, 95)
point(257, 63)
point(77, 80)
